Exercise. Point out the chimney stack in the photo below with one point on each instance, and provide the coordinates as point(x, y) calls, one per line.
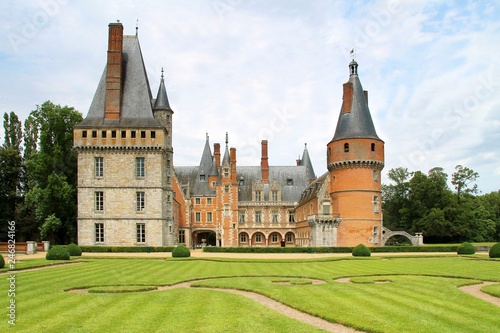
point(347, 97)
point(366, 95)
point(114, 72)
point(232, 160)
point(264, 164)
point(217, 155)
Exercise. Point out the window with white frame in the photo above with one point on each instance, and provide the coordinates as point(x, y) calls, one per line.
point(99, 166)
point(289, 237)
point(99, 201)
point(274, 195)
point(258, 238)
point(197, 217)
point(140, 171)
point(291, 217)
point(274, 238)
point(140, 201)
point(376, 206)
point(99, 232)
point(258, 216)
point(141, 232)
point(197, 201)
point(209, 201)
point(243, 238)
point(182, 236)
point(241, 216)
point(275, 216)
point(258, 195)
point(226, 211)
point(209, 216)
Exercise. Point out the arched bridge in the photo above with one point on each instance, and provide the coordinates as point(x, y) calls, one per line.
point(415, 240)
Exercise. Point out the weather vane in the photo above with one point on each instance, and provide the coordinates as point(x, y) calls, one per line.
point(353, 54)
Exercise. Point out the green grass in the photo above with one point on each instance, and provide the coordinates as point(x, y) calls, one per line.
point(34, 263)
point(422, 295)
point(493, 290)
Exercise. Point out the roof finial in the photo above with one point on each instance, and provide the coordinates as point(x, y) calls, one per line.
point(305, 144)
point(227, 139)
point(137, 28)
point(162, 73)
point(353, 54)
point(206, 135)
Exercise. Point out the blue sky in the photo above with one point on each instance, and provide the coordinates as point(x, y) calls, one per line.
point(268, 69)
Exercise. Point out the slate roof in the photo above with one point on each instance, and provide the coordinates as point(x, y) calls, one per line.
point(306, 161)
point(358, 122)
point(161, 102)
point(136, 105)
point(311, 191)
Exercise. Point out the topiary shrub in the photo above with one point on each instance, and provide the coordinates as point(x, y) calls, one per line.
point(74, 250)
point(495, 251)
point(181, 251)
point(2, 262)
point(361, 251)
point(57, 253)
point(466, 248)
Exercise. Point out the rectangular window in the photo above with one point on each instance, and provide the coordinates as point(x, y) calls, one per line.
point(375, 235)
point(258, 238)
point(226, 188)
point(139, 167)
point(84, 134)
point(113, 134)
point(274, 195)
point(289, 237)
point(103, 134)
point(375, 175)
point(226, 211)
point(291, 217)
point(274, 238)
point(243, 238)
point(132, 134)
point(141, 232)
point(376, 207)
point(99, 232)
point(226, 172)
point(326, 208)
point(99, 166)
point(197, 201)
point(209, 217)
point(197, 217)
point(275, 216)
point(94, 134)
point(241, 216)
point(257, 195)
point(99, 201)
point(258, 216)
point(153, 135)
point(209, 201)
point(124, 134)
point(182, 237)
point(140, 201)
point(143, 134)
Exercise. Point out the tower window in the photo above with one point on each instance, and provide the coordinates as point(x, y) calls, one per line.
point(139, 167)
point(373, 147)
point(168, 117)
point(113, 134)
point(153, 134)
point(346, 147)
point(376, 207)
point(99, 167)
point(94, 134)
point(132, 134)
point(99, 201)
point(103, 134)
point(140, 203)
point(124, 134)
point(375, 175)
point(143, 134)
point(84, 134)
point(99, 232)
point(141, 232)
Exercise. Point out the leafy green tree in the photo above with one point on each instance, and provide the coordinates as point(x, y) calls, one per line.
point(463, 179)
point(395, 199)
point(51, 169)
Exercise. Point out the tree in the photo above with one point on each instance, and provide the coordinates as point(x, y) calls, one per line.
point(395, 198)
point(463, 179)
point(13, 131)
point(51, 170)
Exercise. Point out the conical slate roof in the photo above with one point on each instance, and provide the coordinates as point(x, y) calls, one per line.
point(356, 122)
point(306, 161)
point(161, 102)
point(200, 186)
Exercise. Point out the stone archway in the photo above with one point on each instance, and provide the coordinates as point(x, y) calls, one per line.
point(204, 237)
point(415, 240)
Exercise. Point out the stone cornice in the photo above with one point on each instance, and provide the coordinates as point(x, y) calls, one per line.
point(92, 148)
point(349, 164)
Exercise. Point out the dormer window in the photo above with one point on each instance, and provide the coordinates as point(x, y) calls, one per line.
point(202, 178)
point(242, 181)
point(289, 181)
point(226, 173)
point(346, 147)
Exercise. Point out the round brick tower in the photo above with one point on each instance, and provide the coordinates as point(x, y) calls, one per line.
point(355, 158)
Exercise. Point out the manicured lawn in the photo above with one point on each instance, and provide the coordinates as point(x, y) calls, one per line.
point(417, 295)
point(493, 290)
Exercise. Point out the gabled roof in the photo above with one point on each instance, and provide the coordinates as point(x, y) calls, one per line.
point(356, 122)
point(136, 108)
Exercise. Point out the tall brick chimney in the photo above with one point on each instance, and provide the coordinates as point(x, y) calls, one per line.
point(217, 155)
point(264, 164)
point(232, 160)
point(114, 72)
point(347, 97)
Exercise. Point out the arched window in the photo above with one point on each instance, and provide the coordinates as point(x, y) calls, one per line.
point(346, 147)
point(373, 147)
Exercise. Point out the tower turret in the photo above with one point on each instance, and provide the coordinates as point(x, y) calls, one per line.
point(355, 157)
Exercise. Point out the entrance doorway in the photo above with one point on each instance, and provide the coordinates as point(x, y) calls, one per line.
point(207, 237)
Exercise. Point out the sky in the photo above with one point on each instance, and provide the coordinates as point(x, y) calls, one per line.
point(274, 69)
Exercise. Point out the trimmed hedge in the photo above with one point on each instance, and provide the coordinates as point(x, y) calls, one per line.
point(361, 251)
point(130, 249)
point(57, 253)
point(2, 261)
point(495, 251)
point(300, 249)
point(181, 251)
point(466, 248)
point(74, 250)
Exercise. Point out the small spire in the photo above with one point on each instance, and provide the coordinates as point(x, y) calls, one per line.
point(353, 67)
point(206, 135)
point(162, 73)
point(227, 139)
point(137, 28)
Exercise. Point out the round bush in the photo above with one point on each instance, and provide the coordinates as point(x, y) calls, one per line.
point(361, 251)
point(2, 262)
point(57, 253)
point(74, 250)
point(181, 251)
point(495, 251)
point(466, 248)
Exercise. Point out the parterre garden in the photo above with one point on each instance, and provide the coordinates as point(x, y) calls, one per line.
point(391, 294)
